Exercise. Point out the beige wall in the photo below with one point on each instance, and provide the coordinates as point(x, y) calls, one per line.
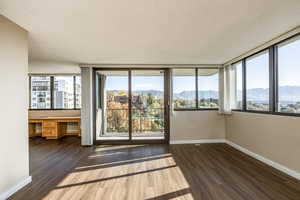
point(14, 164)
point(50, 67)
point(197, 125)
point(274, 137)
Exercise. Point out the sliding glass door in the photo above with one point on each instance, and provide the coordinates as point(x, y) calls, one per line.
point(131, 105)
point(147, 104)
point(112, 114)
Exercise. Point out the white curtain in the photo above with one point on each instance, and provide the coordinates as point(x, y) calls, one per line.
point(171, 92)
point(99, 119)
point(227, 94)
point(221, 90)
point(103, 102)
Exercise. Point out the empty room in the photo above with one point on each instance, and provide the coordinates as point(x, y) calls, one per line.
point(150, 100)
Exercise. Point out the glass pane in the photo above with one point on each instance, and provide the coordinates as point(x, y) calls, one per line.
point(78, 92)
point(238, 86)
point(147, 104)
point(257, 82)
point(40, 92)
point(184, 88)
point(288, 76)
point(112, 114)
point(208, 88)
point(63, 92)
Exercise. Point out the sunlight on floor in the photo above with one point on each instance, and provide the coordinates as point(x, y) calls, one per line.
point(120, 175)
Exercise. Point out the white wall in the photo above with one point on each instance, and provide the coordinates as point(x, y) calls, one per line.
point(87, 107)
point(51, 67)
point(14, 158)
point(196, 125)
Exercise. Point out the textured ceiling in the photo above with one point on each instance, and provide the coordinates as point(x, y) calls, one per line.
point(149, 31)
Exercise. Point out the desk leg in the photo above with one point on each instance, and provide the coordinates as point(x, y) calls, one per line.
point(62, 129)
point(32, 129)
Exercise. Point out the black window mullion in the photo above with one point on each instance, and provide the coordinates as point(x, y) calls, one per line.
point(51, 92)
point(30, 92)
point(275, 78)
point(244, 100)
point(196, 80)
point(272, 80)
point(74, 91)
point(130, 104)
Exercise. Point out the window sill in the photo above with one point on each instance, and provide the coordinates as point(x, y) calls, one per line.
point(269, 113)
point(53, 109)
point(197, 109)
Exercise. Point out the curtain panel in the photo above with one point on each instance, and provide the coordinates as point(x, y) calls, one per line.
point(227, 91)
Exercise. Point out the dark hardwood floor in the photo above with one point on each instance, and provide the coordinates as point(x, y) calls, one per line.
point(65, 170)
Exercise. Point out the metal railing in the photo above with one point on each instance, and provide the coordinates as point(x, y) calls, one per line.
point(145, 120)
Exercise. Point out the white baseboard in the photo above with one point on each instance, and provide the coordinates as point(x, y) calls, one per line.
point(197, 141)
point(267, 161)
point(14, 189)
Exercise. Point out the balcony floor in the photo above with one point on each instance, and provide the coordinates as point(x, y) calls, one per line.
point(135, 136)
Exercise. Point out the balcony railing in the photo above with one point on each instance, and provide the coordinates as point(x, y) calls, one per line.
point(146, 120)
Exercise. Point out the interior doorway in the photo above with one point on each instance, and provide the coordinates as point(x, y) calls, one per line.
point(131, 106)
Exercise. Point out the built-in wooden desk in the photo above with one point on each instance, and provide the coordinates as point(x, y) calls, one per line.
point(53, 127)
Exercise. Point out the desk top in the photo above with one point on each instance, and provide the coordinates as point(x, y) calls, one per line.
point(55, 118)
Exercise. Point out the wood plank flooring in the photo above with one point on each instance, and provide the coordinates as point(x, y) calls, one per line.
point(65, 170)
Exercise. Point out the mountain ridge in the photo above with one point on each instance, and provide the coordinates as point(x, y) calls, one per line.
point(287, 94)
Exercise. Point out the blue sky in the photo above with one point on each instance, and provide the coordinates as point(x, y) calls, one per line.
point(138, 83)
point(288, 72)
point(182, 83)
point(257, 73)
point(289, 59)
point(157, 83)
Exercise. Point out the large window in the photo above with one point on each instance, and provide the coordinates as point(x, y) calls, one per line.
point(55, 92)
point(208, 88)
point(271, 79)
point(184, 87)
point(195, 88)
point(78, 92)
point(257, 82)
point(288, 76)
point(63, 92)
point(40, 92)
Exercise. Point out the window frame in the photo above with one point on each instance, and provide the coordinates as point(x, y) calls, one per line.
point(267, 50)
point(197, 108)
point(51, 76)
point(243, 83)
point(273, 80)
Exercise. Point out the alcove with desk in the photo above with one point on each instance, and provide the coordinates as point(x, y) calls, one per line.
point(54, 124)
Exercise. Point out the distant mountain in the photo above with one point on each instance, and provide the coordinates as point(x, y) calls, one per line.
point(187, 95)
point(287, 94)
point(190, 95)
point(156, 93)
point(257, 94)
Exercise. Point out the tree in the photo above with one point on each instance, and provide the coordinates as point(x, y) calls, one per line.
point(150, 99)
